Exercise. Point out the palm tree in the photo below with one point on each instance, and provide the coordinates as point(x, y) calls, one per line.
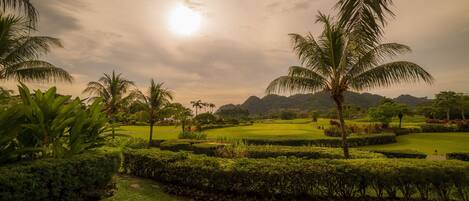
point(112, 89)
point(181, 114)
point(211, 106)
point(197, 105)
point(332, 64)
point(154, 101)
point(23, 6)
point(20, 52)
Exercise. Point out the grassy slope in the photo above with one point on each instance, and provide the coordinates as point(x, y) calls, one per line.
point(133, 188)
point(429, 142)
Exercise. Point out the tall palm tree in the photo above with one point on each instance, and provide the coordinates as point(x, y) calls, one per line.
point(112, 89)
point(154, 101)
point(23, 6)
point(331, 63)
point(211, 106)
point(20, 52)
point(197, 105)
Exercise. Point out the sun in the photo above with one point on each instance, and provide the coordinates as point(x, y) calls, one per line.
point(184, 21)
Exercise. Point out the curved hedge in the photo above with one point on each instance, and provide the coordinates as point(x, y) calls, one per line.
point(401, 153)
point(354, 141)
point(425, 179)
point(269, 151)
point(80, 177)
point(462, 156)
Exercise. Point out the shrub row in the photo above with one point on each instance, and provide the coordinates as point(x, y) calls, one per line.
point(81, 177)
point(463, 156)
point(432, 128)
point(269, 151)
point(425, 179)
point(401, 153)
point(354, 141)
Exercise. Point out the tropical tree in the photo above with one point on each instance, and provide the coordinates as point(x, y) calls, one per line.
point(446, 100)
point(211, 106)
point(197, 105)
point(112, 89)
point(154, 102)
point(181, 114)
point(463, 103)
point(335, 64)
point(20, 52)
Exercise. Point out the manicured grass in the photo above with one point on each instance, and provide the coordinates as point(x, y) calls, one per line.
point(159, 132)
point(429, 142)
point(133, 188)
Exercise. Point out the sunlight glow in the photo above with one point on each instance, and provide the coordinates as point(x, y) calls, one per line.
point(184, 21)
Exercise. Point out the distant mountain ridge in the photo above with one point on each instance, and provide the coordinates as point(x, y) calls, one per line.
point(316, 101)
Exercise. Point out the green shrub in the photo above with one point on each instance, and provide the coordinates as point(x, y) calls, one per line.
point(401, 153)
point(175, 145)
point(234, 149)
point(308, 152)
point(356, 178)
point(335, 131)
point(127, 142)
point(463, 156)
point(192, 135)
point(437, 128)
point(406, 131)
point(80, 177)
point(353, 141)
point(207, 148)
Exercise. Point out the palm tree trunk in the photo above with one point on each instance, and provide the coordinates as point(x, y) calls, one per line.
point(150, 142)
point(183, 125)
point(338, 101)
point(447, 115)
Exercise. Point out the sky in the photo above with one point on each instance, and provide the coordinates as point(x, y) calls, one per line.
point(240, 46)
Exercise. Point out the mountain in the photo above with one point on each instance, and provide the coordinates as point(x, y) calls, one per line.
point(316, 101)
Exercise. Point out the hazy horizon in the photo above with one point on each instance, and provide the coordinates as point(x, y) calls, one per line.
point(240, 46)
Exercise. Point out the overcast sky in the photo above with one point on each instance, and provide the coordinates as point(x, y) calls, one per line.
point(240, 47)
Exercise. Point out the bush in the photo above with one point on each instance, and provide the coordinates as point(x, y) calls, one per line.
point(305, 152)
point(287, 115)
point(437, 128)
point(401, 153)
point(406, 131)
point(127, 142)
point(192, 135)
point(205, 118)
point(335, 131)
point(356, 178)
point(458, 156)
point(463, 126)
point(81, 177)
point(354, 141)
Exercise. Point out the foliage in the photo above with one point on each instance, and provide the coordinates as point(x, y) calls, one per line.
point(46, 124)
point(355, 141)
point(445, 100)
point(433, 128)
point(306, 152)
point(287, 115)
point(401, 153)
point(81, 177)
point(20, 50)
point(335, 131)
point(205, 118)
point(181, 114)
point(385, 112)
point(25, 7)
point(235, 113)
point(463, 156)
point(126, 142)
point(296, 177)
point(192, 135)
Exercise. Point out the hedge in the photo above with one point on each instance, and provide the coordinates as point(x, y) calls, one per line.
point(81, 177)
point(401, 153)
point(353, 141)
point(356, 178)
point(433, 128)
point(463, 156)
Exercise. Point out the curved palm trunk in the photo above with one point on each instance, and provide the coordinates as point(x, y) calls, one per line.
point(150, 142)
point(338, 100)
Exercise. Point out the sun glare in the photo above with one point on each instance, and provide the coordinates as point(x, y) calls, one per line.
point(184, 21)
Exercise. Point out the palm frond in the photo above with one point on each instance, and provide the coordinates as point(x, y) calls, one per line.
point(309, 52)
point(36, 70)
point(31, 47)
point(295, 84)
point(24, 6)
point(389, 74)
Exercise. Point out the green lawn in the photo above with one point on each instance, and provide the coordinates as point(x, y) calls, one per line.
point(429, 142)
point(159, 132)
point(133, 188)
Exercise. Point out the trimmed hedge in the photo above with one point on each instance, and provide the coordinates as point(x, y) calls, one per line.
point(270, 151)
point(357, 178)
point(81, 177)
point(462, 156)
point(401, 153)
point(353, 141)
point(437, 128)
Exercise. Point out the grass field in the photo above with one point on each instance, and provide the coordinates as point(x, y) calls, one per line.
point(133, 188)
point(305, 129)
point(429, 142)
